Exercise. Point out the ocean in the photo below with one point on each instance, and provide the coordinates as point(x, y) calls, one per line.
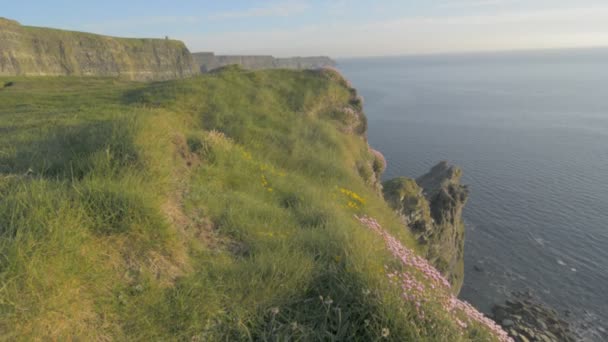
point(530, 131)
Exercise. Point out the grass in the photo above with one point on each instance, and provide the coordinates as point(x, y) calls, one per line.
point(219, 207)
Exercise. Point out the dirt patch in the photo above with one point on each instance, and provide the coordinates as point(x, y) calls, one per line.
point(183, 153)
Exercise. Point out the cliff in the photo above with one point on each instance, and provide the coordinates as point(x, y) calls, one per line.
point(431, 208)
point(237, 205)
point(305, 62)
point(33, 51)
point(208, 61)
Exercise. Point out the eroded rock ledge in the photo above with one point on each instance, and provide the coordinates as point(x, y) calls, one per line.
point(431, 208)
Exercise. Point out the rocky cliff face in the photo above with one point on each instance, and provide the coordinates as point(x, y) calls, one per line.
point(36, 51)
point(208, 61)
point(431, 207)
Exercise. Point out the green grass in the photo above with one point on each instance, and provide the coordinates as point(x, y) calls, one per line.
point(202, 209)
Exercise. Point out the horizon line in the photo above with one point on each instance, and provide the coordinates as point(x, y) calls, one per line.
point(477, 52)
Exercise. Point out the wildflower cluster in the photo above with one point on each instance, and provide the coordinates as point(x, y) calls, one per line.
point(215, 136)
point(416, 291)
point(326, 300)
point(274, 235)
point(272, 170)
point(269, 169)
point(265, 184)
point(350, 112)
point(354, 201)
point(379, 161)
point(246, 155)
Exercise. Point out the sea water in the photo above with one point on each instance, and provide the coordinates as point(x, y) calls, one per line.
point(530, 131)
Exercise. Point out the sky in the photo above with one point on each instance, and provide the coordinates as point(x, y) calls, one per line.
point(337, 28)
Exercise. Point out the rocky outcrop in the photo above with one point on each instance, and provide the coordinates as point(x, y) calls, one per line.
point(408, 201)
point(33, 51)
point(527, 320)
point(208, 61)
point(431, 208)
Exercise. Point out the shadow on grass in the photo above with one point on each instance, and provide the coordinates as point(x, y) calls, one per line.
point(71, 152)
point(325, 313)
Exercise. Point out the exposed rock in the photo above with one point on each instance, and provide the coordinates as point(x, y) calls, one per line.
point(34, 51)
point(431, 207)
point(446, 195)
point(208, 61)
point(530, 320)
point(522, 338)
point(350, 119)
point(377, 165)
point(407, 199)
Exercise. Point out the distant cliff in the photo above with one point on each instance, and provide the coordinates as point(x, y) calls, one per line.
point(35, 51)
point(431, 208)
point(208, 61)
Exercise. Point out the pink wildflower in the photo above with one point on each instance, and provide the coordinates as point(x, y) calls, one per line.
point(414, 290)
point(378, 156)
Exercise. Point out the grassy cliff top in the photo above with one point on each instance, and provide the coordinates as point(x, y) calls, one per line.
point(221, 207)
point(52, 33)
point(46, 33)
point(8, 22)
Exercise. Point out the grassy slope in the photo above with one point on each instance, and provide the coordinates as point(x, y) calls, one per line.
point(199, 209)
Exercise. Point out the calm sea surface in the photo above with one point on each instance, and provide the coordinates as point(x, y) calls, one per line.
point(530, 131)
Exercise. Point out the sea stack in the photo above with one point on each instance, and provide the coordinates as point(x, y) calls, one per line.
point(431, 208)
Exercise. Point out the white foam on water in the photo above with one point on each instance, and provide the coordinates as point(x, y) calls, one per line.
point(540, 241)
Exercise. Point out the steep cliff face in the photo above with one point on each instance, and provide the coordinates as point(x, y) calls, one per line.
point(351, 119)
point(407, 199)
point(36, 51)
point(431, 207)
point(208, 61)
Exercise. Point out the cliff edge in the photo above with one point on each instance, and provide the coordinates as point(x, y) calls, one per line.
point(34, 51)
point(431, 208)
point(233, 206)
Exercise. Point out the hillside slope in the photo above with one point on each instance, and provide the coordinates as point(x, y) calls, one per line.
point(226, 207)
point(38, 51)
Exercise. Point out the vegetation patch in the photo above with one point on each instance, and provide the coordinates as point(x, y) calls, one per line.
point(220, 207)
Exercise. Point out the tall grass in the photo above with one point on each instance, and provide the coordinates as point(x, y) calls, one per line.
point(214, 208)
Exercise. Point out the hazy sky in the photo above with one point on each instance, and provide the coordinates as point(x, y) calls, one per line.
point(338, 28)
